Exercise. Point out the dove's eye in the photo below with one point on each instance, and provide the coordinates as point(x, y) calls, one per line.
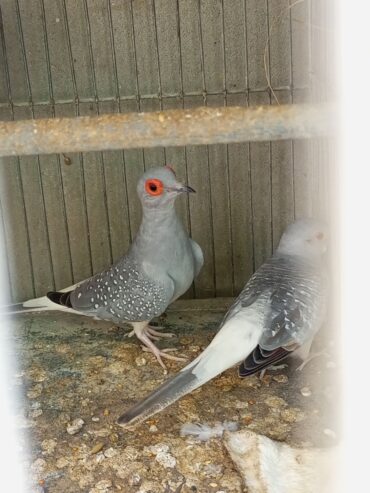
point(320, 235)
point(154, 187)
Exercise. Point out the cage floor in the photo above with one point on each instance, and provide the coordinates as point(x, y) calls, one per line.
point(77, 368)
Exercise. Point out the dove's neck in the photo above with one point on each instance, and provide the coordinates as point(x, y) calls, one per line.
point(159, 229)
point(158, 218)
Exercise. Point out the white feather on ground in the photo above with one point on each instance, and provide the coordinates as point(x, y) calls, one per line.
point(205, 432)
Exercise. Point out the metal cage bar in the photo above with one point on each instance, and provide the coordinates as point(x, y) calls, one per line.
point(165, 128)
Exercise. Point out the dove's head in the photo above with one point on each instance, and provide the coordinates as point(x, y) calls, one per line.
point(304, 237)
point(159, 188)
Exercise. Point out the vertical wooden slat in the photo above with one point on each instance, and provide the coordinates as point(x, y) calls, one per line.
point(300, 34)
point(15, 226)
point(55, 213)
point(257, 35)
point(116, 191)
point(320, 174)
point(302, 149)
point(79, 40)
point(33, 33)
point(303, 186)
point(97, 216)
point(282, 176)
point(260, 156)
point(318, 37)
point(98, 18)
point(200, 214)
point(319, 90)
point(134, 159)
point(240, 207)
point(4, 95)
point(6, 292)
point(167, 23)
point(279, 43)
point(74, 195)
point(12, 36)
point(220, 212)
point(191, 55)
point(212, 41)
point(16, 231)
point(153, 157)
point(146, 48)
point(235, 45)
point(124, 47)
point(36, 218)
point(59, 52)
point(176, 158)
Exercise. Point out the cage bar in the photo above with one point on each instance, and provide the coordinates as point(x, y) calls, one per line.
point(165, 128)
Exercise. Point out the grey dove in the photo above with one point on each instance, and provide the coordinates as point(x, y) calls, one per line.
point(277, 313)
point(160, 266)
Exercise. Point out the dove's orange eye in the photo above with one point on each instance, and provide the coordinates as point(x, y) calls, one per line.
point(154, 186)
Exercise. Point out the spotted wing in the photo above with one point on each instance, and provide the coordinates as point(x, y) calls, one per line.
point(290, 298)
point(123, 293)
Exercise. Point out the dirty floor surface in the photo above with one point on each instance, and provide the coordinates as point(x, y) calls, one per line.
point(78, 375)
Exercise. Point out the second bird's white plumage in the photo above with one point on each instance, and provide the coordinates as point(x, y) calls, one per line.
point(278, 312)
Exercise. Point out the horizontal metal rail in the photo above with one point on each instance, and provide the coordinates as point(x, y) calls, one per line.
point(197, 126)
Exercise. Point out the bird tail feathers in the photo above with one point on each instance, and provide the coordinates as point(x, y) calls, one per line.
point(170, 391)
point(35, 305)
point(226, 349)
point(54, 300)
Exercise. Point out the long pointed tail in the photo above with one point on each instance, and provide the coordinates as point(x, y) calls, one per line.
point(226, 349)
point(35, 305)
point(170, 391)
point(54, 300)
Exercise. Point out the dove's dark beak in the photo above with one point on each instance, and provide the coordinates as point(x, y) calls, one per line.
point(181, 189)
point(187, 189)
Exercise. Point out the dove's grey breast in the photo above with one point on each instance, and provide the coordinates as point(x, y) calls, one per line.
point(159, 268)
point(167, 254)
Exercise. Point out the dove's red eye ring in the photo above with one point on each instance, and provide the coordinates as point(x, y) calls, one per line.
point(154, 187)
point(320, 236)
